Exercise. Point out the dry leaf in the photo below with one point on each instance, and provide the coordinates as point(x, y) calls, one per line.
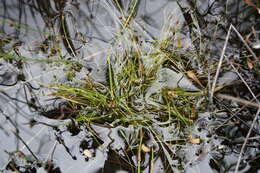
point(145, 148)
point(195, 140)
point(173, 94)
point(194, 77)
point(250, 64)
point(88, 153)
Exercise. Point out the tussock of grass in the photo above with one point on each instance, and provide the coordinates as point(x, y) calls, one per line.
point(132, 69)
point(121, 98)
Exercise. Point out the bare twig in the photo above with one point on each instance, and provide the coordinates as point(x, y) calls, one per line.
point(51, 153)
point(220, 64)
point(223, 55)
point(235, 115)
point(243, 80)
point(239, 100)
point(244, 144)
point(242, 39)
point(254, 121)
point(28, 148)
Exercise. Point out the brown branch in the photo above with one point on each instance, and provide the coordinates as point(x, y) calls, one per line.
point(239, 100)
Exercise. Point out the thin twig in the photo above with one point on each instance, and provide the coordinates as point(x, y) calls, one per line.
point(235, 115)
point(239, 100)
point(28, 148)
point(244, 144)
point(51, 153)
point(242, 39)
point(222, 56)
point(254, 121)
point(220, 64)
point(243, 80)
point(254, 138)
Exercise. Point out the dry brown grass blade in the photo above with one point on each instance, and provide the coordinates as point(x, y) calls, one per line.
point(239, 100)
point(95, 54)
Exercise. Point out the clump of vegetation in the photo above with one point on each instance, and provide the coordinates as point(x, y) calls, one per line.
point(122, 97)
point(144, 88)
